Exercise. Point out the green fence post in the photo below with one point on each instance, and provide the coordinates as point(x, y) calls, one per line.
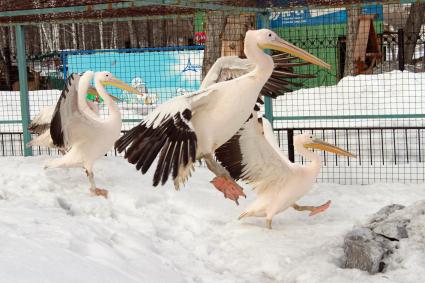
point(268, 103)
point(23, 86)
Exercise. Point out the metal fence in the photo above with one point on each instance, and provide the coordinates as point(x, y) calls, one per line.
point(384, 154)
point(372, 101)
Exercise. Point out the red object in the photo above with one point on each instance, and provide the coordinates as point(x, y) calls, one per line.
point(200, 37)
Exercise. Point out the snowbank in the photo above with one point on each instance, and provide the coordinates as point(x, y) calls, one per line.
point(51, 230)
point(389, 93)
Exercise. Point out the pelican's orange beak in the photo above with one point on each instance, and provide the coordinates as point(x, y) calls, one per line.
point(322, 145)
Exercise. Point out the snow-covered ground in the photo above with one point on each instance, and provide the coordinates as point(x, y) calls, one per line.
point(52, 230)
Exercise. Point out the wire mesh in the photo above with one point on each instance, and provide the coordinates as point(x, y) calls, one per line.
point(368, 48)
point(382, 154)
point(365, 102)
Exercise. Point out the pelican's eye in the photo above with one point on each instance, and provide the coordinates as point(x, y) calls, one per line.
point(270, 35)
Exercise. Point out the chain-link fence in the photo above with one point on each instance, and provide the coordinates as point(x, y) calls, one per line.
point(371, 102)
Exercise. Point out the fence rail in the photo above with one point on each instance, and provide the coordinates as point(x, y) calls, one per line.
point(384, 154)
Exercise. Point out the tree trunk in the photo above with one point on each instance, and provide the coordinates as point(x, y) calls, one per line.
point(83, 35)
point(215, 24)
point(114, 36)
point(56, 41)
point(353, 14)
point(5, 60)
point(142, 30)
point(132, 35)
point(101, 35)
point(74, 36)
point(412, 30)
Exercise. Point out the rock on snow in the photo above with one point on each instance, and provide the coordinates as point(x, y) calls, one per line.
point(376, 245)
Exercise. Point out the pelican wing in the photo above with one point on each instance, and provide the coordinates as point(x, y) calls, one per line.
point(253, 155)
point(230, 67)
point(67, 112)
point(41, 122)
point(166, 131)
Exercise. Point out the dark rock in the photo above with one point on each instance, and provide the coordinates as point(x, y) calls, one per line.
point(363, 251)
point(393, 229)
point(383, 214)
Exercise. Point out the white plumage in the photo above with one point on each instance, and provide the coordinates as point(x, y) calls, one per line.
point(40, 125)
point(77, 127)
point(254, 156)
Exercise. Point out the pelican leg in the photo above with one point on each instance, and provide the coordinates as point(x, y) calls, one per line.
point(93, 189)
point(223, 182)
point(313, 209)
point(269, 223)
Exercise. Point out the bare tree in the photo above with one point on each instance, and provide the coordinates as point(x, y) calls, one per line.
point(102, 46)
point(353, 14)
point(74, 36)
point(412, 29)
point(215, 23)
point(132, 34)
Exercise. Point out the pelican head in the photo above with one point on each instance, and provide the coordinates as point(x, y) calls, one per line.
point(309, 141)
point(267, 39)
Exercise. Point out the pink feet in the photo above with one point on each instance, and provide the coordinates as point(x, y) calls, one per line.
point(100, 192)
point(228, 187)
point(320, 208)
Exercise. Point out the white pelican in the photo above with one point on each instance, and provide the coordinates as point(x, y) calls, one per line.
point(79, 130)
point(40, 125)
point(253, 155)
point(192, 126)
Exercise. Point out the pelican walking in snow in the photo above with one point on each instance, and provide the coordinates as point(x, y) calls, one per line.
point(80, 130)
point(253, 155)
point(192, 126)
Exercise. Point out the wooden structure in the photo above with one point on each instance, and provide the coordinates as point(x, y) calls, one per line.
point(367, 50)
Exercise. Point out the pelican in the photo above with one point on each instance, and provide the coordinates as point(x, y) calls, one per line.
point(253, 155)
point(40, 125)
point(79, 130)
point(192, 126)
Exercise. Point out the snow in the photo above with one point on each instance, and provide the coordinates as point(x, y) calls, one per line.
point(52, 230)
point(389, 93)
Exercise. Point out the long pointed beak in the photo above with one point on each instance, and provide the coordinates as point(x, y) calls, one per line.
point(122, 85)
point(322, 145)
point(284, 46)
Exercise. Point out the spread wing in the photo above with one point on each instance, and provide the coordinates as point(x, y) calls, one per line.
point(253, 155)
point(168, 132)
point(231, 67)
point(68, 116)
point(41, 122)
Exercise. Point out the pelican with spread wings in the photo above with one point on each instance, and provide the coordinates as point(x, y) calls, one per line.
point(40, 125)
point(79, 130)
point(192, 126)
point(253, 156)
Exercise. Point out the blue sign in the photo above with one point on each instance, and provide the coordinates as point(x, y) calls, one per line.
point(307, 17)
point(158, 72)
